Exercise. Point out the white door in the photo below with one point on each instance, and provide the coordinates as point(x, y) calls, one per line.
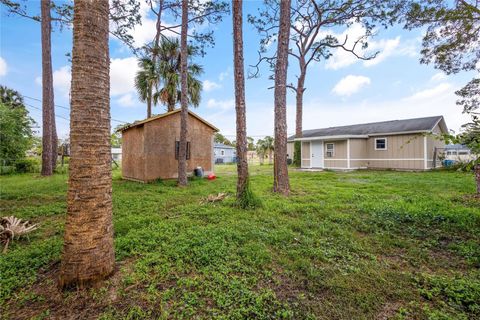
point(317, 154)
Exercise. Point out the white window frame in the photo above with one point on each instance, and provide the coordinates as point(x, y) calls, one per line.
point(222, 152)
point(386, 144)
point(327, 151)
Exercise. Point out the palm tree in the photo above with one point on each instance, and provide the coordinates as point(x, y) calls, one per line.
point(11, 98)
point(88, 255)
point(146, 79)
point(164, 76)
point(268, 146)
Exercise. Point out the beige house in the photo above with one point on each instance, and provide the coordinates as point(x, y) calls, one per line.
point(150, 147)
point(399, 144)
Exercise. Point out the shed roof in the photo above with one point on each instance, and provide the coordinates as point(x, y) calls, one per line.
point(384, 127)
point(456, 147)
point(163, 115)
point(223, 146)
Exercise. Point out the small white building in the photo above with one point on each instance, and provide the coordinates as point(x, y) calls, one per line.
point(117, 154)
point(458, 152)
point(224, 153)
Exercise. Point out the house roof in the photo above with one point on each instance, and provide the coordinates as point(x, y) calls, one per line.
point(163, 115)
point(223, 146)
point(385, 127)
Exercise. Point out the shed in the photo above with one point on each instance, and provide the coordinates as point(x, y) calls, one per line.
point(150, 147)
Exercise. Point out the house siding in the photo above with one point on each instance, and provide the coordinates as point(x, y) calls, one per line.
point(358, 150)
point(339, 154)
point(306, 155)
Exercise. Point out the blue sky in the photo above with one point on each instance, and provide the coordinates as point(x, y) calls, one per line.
point(340, 91)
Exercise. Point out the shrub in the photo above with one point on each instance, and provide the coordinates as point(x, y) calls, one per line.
point(25, 165)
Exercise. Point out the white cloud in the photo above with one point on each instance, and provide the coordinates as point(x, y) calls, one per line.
point(384, 47)
point(210, 85)
point(440, 76)
point(221, 104)
point(225, 74)
point(342, 58)
point(350, 85)
point(3, 67)
point(122, 75)
point(122, 78)
point(430, 93)
point(62, 79)
point(126, 100)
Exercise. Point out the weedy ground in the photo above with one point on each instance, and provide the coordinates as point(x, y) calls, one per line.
point(355, 245)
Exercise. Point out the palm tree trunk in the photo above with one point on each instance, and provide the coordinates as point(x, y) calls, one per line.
point(88, 254)
point(241, 145)
point(281, 182)
point(48, 118)
point(149, 100)
point(182, 154)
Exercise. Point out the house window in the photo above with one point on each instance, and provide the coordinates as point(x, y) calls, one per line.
point(381, 144)
point(222, 152)
point(330, 150)
point(177, 150)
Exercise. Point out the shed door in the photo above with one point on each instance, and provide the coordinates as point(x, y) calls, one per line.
point(317, 154)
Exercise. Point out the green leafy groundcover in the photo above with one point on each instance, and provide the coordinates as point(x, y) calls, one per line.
point(357, 245)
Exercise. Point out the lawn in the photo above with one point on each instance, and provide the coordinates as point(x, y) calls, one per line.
point(356, 245)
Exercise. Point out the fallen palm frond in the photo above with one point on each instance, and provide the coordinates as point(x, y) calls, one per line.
point(11, 227)
point(214, 198)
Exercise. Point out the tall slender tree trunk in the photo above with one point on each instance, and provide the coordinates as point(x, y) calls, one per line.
point(300, 89)
point(241, 145)
point(154, 55)
point(281, 182)
point(149, 100)
point(48, 111)
point(88, 254)
point(182, 154)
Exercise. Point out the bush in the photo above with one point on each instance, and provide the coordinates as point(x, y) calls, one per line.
point(25, 165)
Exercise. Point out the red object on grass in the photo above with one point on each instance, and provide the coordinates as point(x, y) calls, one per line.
point(211, 176)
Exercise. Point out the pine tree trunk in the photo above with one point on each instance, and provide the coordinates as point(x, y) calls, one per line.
point(48, 118)
point(299, 112)
point(241, 145)
point(182, 154)
point(88, 253)
point(281, 182)
point(154, 56)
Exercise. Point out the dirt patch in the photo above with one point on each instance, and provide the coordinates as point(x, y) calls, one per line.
point(44, 300)
point(388, 311)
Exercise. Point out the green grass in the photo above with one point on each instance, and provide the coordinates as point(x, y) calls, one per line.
point(357, 245)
